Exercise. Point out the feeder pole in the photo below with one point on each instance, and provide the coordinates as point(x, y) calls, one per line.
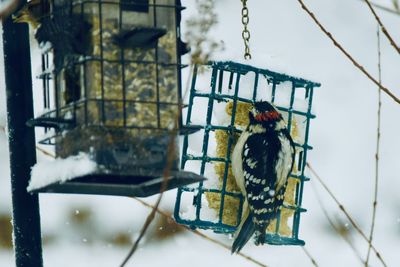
point(26, 217)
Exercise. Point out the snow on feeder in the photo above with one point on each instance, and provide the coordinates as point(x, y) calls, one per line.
point(111, 78)
point(219, 102)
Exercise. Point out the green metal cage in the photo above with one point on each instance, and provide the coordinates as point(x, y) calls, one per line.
point(212, 88)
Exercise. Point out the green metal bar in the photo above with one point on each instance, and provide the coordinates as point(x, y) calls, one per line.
point(223, 97)
point(299, 189)
point(290, 110)
point(230, 80)
point(235, 195)
point(218, 227)
point(186, 140)
point(242, 68)
point(220, 81)
point(228, 151)
point(273, 90)
point(255, 87)
point(211, 190)
point(206, 137)
point(218, 159)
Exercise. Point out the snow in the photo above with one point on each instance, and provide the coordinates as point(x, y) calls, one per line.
point(60, 170)
point(45, 47)
point(188, 210)
point(246, 85)
point(282, 94)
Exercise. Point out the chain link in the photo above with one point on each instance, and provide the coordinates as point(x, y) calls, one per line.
point(245, 32)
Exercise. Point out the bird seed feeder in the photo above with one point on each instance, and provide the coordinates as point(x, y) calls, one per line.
point(221, 95)
point(111, 86)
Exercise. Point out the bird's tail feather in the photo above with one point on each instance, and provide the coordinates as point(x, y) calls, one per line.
point(245, 233)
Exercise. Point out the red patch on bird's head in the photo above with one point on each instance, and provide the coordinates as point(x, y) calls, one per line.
point(268, 116)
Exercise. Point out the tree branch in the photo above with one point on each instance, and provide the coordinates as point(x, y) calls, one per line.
point(8, 8)
point(166, 172)
point(341, 207)
point(390, 10)
point(358, 65)
point(385, 32)
point(378, 137)
point(313, 261)
point(45, 152)
point(150, 217)
point(198, 233)
point(334, 227)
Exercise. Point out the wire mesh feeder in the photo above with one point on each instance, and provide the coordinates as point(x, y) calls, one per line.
point(220, 97)
point(111, 83)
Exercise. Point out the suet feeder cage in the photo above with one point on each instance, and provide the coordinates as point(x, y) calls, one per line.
point(111, 86)
point(221, 94)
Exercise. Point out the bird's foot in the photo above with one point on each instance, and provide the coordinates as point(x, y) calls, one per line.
point(259, 238)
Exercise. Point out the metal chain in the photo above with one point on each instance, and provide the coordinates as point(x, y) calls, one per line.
point(245, 32)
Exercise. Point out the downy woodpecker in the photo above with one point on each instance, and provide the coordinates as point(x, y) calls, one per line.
point(261, 163)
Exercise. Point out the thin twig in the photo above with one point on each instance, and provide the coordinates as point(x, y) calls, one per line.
point(384, 30)
point(378, 138)
point(349, 217)
point(166, 173)
point(45, 152)
point(8, 9)
point(387, 9)
point(313, 261)
point(217, 242)
point(150, 217)
point(358, 65)
point(396, 5)
point(332, 224)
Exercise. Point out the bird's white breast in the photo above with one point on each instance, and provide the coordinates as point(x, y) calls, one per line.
point(237, 168)
point(284, 162)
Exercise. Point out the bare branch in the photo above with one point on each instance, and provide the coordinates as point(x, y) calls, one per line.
point(313, 261)
point(150, 217)
point(358, 65)
point(345, 212)
point(378, 137)
point(45, 152)
point(385, 32)
point(217, 242)
point(170, 160)
point(334, 226)
point(387, 9)
point(396, 5)
point(8, 8)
